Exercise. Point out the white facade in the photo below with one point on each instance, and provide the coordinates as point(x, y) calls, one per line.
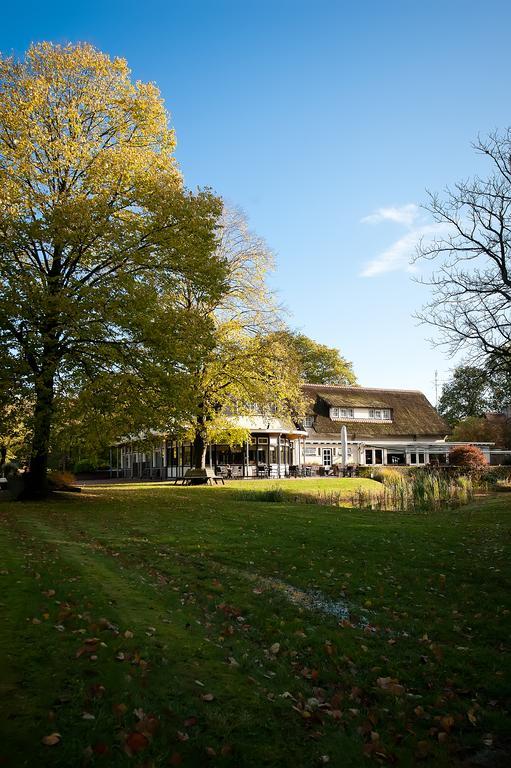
point(328, 453)
point(378, 428)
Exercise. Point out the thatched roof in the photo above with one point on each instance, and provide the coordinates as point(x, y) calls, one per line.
point(412, 413)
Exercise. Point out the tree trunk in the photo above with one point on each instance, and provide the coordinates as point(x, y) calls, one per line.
point(199, 450)
point(199, 444)
point(37, 480)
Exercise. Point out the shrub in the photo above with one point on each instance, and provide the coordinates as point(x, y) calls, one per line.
point(367, 471)
point(388, 476)
point(491, 475)
point(273, 495)
point(467, 456)
point(85, 465)
point(61, 480)
point(10, 469)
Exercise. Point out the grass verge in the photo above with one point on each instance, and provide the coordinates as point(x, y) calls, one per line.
point(156, 626)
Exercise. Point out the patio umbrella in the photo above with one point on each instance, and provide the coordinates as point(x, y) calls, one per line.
point(344, 446)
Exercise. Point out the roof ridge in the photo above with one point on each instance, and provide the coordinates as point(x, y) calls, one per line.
point(360, 389)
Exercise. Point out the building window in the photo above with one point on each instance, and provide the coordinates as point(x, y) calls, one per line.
point(310, 450)
point(308, 421)
point(380, 413)
point(342, 413)
point(396, 457)
point(374, 456)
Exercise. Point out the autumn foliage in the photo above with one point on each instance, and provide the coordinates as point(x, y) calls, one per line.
point(467, 456)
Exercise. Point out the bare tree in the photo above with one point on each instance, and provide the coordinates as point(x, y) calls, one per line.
point(471, 285)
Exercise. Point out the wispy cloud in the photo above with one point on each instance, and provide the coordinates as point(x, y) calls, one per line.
point(404, 214)
point(398, 255)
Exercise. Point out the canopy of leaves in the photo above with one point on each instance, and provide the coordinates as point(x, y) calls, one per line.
point(472, 392)
point(96, 228)
point(480, 430)
point(319, 364)
point(248, 366)
point(466, 394)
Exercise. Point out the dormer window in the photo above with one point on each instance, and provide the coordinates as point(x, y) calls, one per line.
point(308, 421)
point(341, 413)
point(380, 413)
point(360, 413)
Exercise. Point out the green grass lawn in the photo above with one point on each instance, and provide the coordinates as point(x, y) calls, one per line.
point(344, 485)
point(154, 625)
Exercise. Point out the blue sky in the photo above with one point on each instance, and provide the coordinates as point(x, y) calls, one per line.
point(325, 121)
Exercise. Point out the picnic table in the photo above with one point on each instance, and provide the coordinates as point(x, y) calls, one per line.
point(200, 477)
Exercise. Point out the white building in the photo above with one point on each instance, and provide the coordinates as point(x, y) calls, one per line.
point(382, 427)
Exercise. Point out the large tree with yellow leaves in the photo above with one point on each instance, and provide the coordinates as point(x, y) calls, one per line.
point(95, 226)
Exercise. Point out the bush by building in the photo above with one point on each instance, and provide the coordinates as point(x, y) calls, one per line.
point(468, 457)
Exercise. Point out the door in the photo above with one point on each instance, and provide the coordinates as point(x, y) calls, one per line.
point(327, 457)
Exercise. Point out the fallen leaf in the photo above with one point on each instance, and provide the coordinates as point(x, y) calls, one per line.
point(148, 725)
point(120, 709)
point(190, 722)
point(447, 722)
point(390, 685)
point(51, 740)
point(423, 749)
point(275, 648)
point(97, 691)
point(207, 697)
point(100, 748)
point(135, 743)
